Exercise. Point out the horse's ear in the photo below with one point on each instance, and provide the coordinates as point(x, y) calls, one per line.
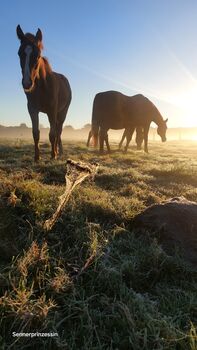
point(39, 35)
point(166, 120)
point(19, 33)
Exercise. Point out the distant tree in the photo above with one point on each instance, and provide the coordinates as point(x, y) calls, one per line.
point(69, 127)
point(23, 125)
point(87, 126)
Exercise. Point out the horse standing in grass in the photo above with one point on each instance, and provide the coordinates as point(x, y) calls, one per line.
point(46, 91)
point(113, 110)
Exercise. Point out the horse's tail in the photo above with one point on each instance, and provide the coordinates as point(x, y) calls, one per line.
point(95, 125)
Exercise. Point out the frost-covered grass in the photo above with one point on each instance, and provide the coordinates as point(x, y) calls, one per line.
point(91, 279)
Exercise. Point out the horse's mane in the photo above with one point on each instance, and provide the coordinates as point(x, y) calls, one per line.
point(44, 67)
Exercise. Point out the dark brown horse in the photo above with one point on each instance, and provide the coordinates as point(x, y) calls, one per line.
point(113, 110)
point(46, 91)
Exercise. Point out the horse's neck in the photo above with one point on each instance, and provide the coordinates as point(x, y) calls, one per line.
point(157, 118)
point(44, 69)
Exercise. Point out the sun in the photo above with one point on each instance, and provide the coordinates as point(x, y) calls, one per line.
point(187, 102)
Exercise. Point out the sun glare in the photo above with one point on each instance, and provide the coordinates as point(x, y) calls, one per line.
point(187, 102)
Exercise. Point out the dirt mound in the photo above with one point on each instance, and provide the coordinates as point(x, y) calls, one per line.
point(174, 222)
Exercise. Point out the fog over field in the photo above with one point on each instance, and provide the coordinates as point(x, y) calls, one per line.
point(69, 133)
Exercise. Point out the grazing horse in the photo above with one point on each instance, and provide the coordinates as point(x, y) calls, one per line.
point(138, 139)
point(46, 91)
point(113, 110)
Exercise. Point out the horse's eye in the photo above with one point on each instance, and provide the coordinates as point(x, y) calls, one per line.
point(34, 54)
point(22, 56)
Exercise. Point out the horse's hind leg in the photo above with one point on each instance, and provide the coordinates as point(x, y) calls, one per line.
point(139, 137)
point(89, 138)
point(59, 141)
point(52, 138)
point(122, 139)
point(60, 120)
point(107, 142)
point(53, 135)
point(103, 137)
point(129, 134)
point(101, 140)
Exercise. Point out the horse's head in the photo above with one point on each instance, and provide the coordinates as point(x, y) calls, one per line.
point(29, 54)
point(161, 130)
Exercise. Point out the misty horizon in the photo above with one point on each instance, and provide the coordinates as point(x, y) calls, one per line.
point(24, 132)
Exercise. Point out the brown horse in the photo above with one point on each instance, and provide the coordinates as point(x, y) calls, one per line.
point(113, 110)
point(46, 91)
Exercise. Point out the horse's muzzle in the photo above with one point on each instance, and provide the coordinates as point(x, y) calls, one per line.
point(163, 139)
point(27, 85)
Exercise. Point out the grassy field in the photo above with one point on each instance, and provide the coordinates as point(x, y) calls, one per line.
point(90, 279)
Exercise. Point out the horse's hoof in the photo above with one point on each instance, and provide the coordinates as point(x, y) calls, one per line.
point(54, 157)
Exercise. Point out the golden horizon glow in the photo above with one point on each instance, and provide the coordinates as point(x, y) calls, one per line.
point(187, 102)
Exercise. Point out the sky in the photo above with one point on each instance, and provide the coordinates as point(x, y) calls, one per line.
point(131, 46)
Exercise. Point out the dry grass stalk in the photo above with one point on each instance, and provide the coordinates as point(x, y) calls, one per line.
point(76, 173)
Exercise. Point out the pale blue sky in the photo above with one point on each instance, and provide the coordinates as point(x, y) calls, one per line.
point(142, 46)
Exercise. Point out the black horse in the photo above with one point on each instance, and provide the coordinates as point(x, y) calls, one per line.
point(113, 110)
point(47, 91)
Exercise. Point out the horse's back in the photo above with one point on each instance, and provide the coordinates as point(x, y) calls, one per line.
point(141, 109)
point(114, 110)
point(115, 101)
point(62, 83)
point(108, 109)
point(108, 98)
point(63, 90)
point(140, 100)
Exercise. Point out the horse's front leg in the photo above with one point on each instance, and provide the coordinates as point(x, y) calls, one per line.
point(35, 131)
point(146, 130)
